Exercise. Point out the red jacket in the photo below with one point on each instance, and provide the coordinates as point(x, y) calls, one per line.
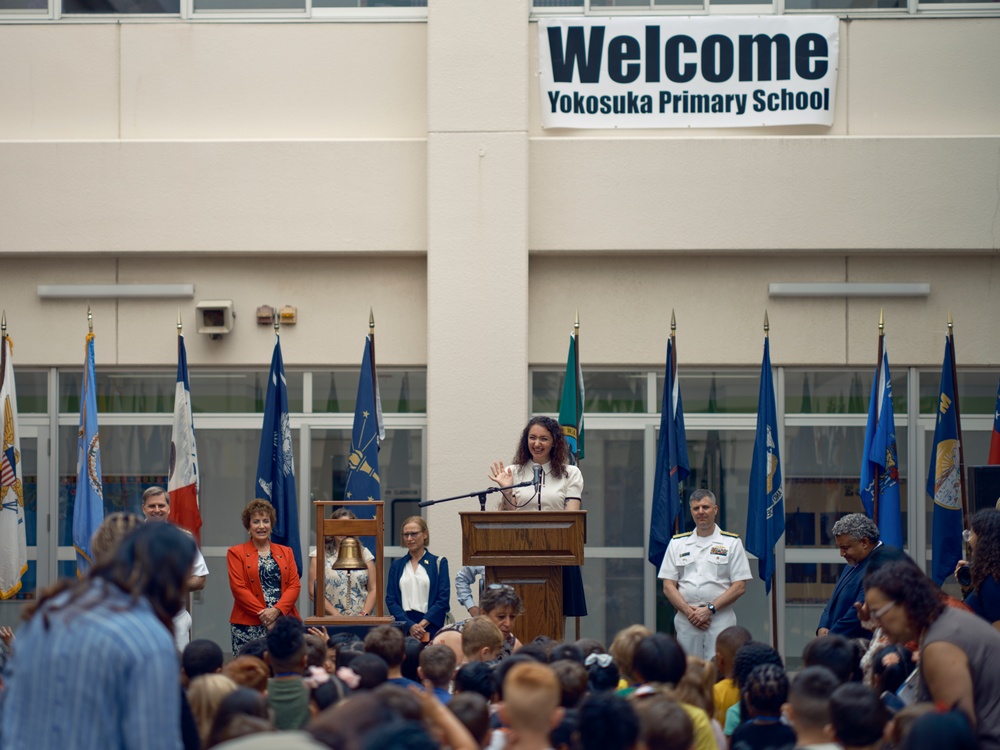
point(244, 581)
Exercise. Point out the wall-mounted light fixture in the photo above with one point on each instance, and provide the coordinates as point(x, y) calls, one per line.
point(114, 291)
point(846, 289)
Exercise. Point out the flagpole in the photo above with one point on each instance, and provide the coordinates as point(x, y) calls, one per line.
point(774, 592)
point(578, 374)
point(673, 379)
point(958, 424)
point(371, 337)
point(878, 379)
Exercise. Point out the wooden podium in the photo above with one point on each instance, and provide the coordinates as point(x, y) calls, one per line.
point(527, 550)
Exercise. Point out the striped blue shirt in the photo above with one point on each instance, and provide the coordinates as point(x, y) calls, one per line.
point(104, 675)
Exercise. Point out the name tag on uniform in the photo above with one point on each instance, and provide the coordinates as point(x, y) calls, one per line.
point(718, 549)
point(682, 555)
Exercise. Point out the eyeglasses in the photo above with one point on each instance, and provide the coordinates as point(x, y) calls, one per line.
point(879, 613)
point(408, 534)
point(967, 535)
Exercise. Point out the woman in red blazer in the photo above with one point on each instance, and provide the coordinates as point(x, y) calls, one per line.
point(262, 576)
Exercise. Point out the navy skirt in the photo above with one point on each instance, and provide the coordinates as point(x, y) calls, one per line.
point(574, 597)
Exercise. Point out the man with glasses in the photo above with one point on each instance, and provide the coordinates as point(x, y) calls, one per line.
point(857, 538)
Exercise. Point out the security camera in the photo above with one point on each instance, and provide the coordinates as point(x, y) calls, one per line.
point(215, 317)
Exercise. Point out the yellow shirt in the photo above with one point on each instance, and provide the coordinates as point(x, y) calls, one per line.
point(725, 694)
point(704, 737)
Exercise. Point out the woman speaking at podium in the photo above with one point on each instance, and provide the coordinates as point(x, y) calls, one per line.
point(543, 445)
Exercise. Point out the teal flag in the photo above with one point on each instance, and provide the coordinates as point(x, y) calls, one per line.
point(571, 403)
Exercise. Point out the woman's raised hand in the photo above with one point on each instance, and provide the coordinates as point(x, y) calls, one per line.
point(500, 474)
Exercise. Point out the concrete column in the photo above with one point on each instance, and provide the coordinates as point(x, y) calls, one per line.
point(477, 250)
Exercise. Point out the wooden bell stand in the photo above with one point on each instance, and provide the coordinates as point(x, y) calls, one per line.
point(357, 527)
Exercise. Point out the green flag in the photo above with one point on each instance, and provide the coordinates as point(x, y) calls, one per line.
point(571, 403)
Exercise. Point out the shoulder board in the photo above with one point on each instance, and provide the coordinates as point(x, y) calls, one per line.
point(730, 533)
point(681, 536)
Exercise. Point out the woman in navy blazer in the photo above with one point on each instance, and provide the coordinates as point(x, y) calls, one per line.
point(418, 591)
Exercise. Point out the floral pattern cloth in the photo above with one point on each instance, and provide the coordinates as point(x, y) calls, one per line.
point(346, 599)
point(270, 583)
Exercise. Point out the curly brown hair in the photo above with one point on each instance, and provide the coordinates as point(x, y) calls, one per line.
point(905, 583)
point(986, 555)
point(256, 506)
point(560, 448)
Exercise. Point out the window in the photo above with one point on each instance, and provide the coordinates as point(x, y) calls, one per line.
point(901, 8)
point(136, 412)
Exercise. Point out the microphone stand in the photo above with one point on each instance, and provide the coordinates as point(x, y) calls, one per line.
point(480, 494)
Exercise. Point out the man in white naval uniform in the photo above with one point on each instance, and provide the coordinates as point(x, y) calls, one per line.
point(704, 572)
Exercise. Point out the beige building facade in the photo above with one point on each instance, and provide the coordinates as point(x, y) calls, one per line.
point(393, 159)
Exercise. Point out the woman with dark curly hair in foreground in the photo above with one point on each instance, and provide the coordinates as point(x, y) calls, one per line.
point(959, 652)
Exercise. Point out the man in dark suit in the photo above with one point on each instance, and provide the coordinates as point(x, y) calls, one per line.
point(858, 539)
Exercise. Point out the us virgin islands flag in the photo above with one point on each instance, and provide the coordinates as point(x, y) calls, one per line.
point(13, 548)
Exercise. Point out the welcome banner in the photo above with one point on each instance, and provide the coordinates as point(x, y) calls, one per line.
point(688, 72)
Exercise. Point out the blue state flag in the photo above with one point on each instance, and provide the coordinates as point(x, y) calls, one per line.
point(944, 479)
point(672, 466)
point(275, 463)
point(766, 505)
point(879, 464)
point(88, 506)
point(571, 402)
point(363, 481)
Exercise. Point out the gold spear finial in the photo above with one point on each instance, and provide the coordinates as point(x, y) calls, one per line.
point(673, 323)
point(881, 322)
point(276, 319)
point(90, 320)
point(576, 325)
point(371, 321)
point(951, 323)
point(3, 323)
point(767, 325)
point(180, 325)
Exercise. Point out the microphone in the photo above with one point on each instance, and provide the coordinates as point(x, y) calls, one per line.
point(538, 479)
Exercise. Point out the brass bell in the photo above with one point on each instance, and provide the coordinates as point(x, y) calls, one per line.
point(349, 555)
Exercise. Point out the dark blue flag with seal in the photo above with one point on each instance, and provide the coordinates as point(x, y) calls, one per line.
point(766, 505)
point(672, 466)
point(275, 480)
point(944, 485)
